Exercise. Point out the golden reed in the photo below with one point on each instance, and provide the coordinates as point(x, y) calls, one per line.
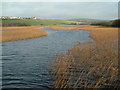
point(92, 64)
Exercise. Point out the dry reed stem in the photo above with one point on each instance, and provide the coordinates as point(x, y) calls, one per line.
point(62, 27)
point(21, 33)
point(93, 64)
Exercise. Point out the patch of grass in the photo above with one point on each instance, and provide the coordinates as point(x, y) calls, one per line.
point(16, 24)
point(38, 22)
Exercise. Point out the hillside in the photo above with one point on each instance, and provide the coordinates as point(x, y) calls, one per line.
point(87, 20)
point(32, 22)
point(110, 23)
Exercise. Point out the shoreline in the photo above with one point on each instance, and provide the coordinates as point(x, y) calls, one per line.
point(101, 34)
point(22, 33)
point(92, 63)
point(97, 33)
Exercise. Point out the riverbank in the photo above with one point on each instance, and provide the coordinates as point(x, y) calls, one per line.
point(21, 33)
point(100, 33)
point(29, 60)
point(92, 64)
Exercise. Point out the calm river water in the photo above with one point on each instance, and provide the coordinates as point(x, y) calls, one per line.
point(25, 63)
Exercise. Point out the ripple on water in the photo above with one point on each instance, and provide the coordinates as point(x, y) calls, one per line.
point(26, 62)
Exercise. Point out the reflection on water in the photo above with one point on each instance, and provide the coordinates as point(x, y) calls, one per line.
point(26, 62)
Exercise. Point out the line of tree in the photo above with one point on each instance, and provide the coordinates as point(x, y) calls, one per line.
point(114, 23)
point(16, 24)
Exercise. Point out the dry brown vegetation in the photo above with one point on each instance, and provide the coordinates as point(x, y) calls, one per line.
point(21, 33)
point(62, 27)
point(101, 34)
point(92, 64)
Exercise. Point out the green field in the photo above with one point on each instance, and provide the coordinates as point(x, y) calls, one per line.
point(10, 22)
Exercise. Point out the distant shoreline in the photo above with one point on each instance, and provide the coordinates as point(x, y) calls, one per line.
point(27, 32)
point(22, 33)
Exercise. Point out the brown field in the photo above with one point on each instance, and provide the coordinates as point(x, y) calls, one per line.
point(21, 33)
point(92, 64)
point(62, 27)
point(101, 34)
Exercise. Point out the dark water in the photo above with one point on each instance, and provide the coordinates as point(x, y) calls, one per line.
point(26, 62)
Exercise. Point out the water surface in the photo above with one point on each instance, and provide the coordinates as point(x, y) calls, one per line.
point(26, 62)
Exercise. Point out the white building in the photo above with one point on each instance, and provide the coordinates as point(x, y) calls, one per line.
point(34, 18)
point(13, 17)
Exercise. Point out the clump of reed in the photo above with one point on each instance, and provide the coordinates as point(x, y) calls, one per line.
point(22, 33)
point(87, 65)
point(62, 27)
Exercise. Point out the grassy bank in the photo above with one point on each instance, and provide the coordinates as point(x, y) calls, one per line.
point(21, 33)
point(32, 22)
point(89, 64)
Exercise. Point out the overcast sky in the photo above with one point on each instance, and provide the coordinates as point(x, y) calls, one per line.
point(60, 0)
point(61, 10)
